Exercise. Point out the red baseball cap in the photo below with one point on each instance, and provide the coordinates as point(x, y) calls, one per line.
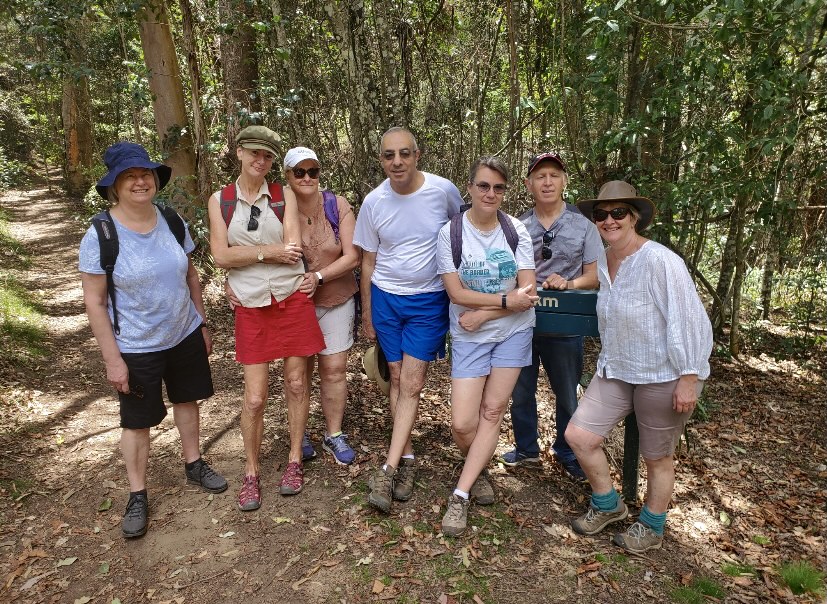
point(547, 156)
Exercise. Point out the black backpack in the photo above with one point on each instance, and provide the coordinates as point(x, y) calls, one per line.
point(109, 248)
point(509, 231)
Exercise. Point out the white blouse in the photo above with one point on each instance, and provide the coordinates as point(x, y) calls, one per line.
point(653, 326)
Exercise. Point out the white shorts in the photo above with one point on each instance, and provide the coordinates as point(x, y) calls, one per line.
point(337, 326)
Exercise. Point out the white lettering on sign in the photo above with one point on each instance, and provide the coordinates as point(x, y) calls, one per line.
point(548, 301)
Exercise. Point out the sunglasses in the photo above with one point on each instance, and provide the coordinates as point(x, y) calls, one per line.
point(484, 187)
point(300, 172)
point(616, 213)
point(548, 237)
point(255, 212)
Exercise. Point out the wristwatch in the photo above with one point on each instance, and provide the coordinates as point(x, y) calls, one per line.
point(319, 277)
point(260, 257)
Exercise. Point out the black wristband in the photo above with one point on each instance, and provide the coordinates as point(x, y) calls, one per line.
point(503, 301)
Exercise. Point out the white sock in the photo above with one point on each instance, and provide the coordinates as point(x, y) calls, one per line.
point(411, 456)
point(462, 494)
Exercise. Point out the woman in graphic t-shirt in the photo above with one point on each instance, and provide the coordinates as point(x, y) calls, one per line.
point(492, 294)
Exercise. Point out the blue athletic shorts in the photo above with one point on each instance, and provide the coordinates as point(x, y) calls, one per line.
point(475, 359)
point(414, 325)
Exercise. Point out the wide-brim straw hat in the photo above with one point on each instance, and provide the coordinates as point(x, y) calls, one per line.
point(376, 368)
point(621, 191)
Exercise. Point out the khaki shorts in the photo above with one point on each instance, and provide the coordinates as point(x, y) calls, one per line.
point(607, 401)
point(337, 326)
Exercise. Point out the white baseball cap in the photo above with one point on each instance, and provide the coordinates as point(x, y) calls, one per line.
point(296, 155)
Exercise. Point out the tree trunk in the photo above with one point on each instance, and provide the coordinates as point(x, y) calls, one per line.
point(239, 66)
point(739, 216)
point(513, 12)
point(76, 112)
point(723, 289)
point(202, 138)
point(168, 103)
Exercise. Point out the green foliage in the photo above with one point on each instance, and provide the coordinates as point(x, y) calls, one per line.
point(698, 591)
point(738, 570)
point(802, 577)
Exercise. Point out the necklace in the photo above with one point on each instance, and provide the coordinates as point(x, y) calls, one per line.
point(480, 231)
point(315, 214)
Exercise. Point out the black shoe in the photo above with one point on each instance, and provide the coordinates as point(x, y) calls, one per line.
point(135, 519)
point(204, 476)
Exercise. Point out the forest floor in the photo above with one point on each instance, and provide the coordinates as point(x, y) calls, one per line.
point(750, 492)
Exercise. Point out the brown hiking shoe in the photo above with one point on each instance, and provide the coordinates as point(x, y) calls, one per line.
point(403, 482)
point(381, 488)
point(482, 492)
point(638, 538)
point(594, 521)
point(455, 519)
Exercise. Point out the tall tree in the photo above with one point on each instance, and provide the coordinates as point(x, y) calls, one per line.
point(168, 102)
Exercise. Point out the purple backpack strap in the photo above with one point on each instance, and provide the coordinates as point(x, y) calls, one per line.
point(331, 212)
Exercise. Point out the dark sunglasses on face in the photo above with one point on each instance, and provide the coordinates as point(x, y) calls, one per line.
point(548, 237)
point(312, 172)
point(255, 212)
point(484, 187)
point(616, 213)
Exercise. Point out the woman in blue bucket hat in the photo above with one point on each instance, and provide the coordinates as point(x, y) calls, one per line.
point(144, 303)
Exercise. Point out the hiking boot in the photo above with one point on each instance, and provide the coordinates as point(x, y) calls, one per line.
point(403, 482)
point(249, 498)
point(136, 516)
point(338, 447)
point(381, 488)
point(514, 458)
point(638, 538)
point(292, 480)
point(594, 521)
point(308, 452)
point(455, 519)
point(202, 475)
point(482, 492)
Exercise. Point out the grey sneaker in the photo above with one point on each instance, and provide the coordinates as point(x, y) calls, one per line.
point(455, 519)
point(403, 482)
point(381, 488)
point(202, 475)
point(594, 521)
point(482, 492)
point(638, 538)
point(135, 519)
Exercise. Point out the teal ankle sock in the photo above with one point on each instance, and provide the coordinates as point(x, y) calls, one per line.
point(606, 502)
point(656, 522)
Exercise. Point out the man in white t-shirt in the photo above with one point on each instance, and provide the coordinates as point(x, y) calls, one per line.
point(404, 304)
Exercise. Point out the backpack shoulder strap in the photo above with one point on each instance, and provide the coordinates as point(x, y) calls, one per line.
point(277, 200)
point(175, 223)
point(331, 212)
point(456, 239)
point(509, 231)
point(228, 199)
point(109, 248)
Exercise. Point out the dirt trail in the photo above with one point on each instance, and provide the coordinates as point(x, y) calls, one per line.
point(753, 471)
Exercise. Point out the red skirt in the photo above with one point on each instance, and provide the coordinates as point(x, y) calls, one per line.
point(283, 329)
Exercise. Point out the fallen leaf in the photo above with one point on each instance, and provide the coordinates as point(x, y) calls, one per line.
point(281, 519)
point(103, 568)
point(227, 534)
point(66, 561)
point(378, 587)
point(105, 505)
point(83, 600)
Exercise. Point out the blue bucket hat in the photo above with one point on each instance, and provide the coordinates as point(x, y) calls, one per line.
point(124, 155)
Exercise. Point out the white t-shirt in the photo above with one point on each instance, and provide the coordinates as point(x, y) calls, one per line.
point(402, 231)
point(487, 266)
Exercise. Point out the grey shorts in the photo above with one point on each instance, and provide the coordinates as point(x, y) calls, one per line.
point(607, 401)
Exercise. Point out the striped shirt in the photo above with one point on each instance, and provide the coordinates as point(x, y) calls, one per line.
point(653, 326)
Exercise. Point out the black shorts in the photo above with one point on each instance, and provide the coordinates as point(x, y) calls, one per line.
point(184, 369)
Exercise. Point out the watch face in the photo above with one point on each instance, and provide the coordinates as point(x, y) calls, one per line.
point(260, 256)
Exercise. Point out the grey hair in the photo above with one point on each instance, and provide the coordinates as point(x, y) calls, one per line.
point(396, 129)
point(492, 163)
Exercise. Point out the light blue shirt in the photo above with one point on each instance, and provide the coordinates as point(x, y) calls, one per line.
point(155, 311)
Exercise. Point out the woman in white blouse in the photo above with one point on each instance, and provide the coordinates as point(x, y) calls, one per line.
point(656, 340)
